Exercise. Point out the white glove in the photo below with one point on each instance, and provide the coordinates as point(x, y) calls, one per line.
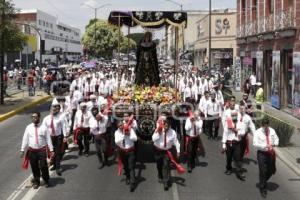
point(224, 146)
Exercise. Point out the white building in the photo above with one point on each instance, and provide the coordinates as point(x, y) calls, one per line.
point(58, 40)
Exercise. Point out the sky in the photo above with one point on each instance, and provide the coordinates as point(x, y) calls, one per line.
point(74, 13)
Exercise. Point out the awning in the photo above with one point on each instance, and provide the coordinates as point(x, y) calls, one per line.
point(148, 19)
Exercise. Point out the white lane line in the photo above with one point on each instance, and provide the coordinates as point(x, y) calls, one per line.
point(20, 189)
point(174, 188)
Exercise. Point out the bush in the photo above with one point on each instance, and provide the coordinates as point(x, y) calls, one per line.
point(283, 129)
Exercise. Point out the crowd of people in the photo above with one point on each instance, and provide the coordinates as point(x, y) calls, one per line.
point(84, 114)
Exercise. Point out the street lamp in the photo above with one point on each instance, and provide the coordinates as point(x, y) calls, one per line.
point(95, 10)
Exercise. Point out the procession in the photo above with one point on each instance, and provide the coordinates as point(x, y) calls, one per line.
point(148, 101)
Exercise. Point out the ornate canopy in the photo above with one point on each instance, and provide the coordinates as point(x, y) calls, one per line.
point(148, 19)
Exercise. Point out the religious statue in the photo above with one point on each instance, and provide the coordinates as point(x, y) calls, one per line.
point(146, 70)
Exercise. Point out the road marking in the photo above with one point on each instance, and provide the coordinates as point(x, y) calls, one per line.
point(18, 191)
point(174, 188)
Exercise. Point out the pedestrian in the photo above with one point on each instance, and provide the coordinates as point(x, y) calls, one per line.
point(259, 97)
point(233, 130)
point(164, 138)
point(98, 124)
point(264, 139)
point(125, 137)
point(57, 128)
point(30, 84)
point(252, 79)
point(37, 141)
point(82, 129)
point(193, 127)
point(247, 86)
point(213, 112)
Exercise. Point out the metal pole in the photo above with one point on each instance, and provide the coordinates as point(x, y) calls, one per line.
point(209, 37)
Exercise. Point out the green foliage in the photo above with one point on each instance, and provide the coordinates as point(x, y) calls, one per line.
point(101, 39)
point(137, 37)
point(124, 44)
point(283, 129)
point(11, 38)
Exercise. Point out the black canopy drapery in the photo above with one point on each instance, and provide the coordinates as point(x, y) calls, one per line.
point(148, 19)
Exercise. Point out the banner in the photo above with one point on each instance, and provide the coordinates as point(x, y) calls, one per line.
point(275, 88)
point(259, 66)
point(296, 91)
point(238, 74)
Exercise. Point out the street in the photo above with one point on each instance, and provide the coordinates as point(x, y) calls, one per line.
point(81, 179)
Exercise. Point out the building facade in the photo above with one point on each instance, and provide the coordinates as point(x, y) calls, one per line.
point(223, 39)
point(58, 41)
point(269, 46)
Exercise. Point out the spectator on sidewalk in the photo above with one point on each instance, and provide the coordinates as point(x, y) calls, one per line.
point(259, 97)
point(252, 79)
point(30, 84)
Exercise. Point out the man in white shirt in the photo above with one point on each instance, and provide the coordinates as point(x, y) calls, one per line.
point(37, 140)
point(202, 107)
point(234, 129)
point(264, 139)
point(98, 124)
point(193, 127)
point(213, 112)
point(197, 90)
point(164, 138)
point(82, 129)
point(57, 128)
point(253, 83)
point(125, 138)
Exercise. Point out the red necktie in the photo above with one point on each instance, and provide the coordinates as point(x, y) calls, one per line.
point(52, 126)
point(81, 120)
point(36, 134)
point(165, 139)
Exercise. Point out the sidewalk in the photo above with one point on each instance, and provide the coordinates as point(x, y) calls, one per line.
point(290, 155)
point(19, 102)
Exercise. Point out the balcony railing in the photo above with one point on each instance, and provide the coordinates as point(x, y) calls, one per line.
point(282, 20)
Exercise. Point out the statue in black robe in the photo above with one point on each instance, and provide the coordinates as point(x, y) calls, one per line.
point(146, 70)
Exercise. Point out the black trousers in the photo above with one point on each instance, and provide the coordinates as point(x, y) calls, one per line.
point(72, 119)
point(38, 163)
point(83, 141)
point(128, 160)
point(192, 152)
point(163, 165)
point(243, 143)
point(233, 152)
point(100, 145)
point(266, 166)
point(213, 122)
point(57, 146)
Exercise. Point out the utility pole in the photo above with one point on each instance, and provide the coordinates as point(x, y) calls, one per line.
point(209, 37)
point(2, 56)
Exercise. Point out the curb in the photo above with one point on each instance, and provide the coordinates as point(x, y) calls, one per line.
point(24, 107)
point(287, 162)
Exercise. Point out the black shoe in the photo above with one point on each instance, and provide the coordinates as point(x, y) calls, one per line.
point(132, 187)
point(241, 176)
point(127, 181)
point(47, 184)
point(166, 187)
point(189, 170)
point(228, 172)
point(80, 153)
point(35, 186)
point(52, 168)
point(58, 172)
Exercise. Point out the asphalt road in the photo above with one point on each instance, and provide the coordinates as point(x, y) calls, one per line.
point(82, 180)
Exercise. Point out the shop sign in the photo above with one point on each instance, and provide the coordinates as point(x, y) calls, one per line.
point(275, 87)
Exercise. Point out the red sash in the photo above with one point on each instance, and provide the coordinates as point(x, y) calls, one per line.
point(26, 157)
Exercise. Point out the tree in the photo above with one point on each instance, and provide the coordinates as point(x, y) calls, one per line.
point(102, 40)
point(11, 38)
point(137, 37)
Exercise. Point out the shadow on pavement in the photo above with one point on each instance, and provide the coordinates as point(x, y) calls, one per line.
point(69, 157)
point(67, 167)
point(178, 180)
point(139, 179)
point(298, 160)
point(57, 181)
point(248, 161)
point(270, 186)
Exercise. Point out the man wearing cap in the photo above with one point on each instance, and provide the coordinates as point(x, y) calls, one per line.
point(193, 127)
point(57, 128)
point(125, 137)
point(264, 139)
point(234, 128)
point(164, 138)
point(36, 140)
point(98, 128)
point(82, 129)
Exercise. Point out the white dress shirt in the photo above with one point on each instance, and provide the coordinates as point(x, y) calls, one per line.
point(193, 128)
point(203, 103)
point(260, 139)
point(78, 123)
point(125, 141)
point(60, 124)
point(171, 140)
point(30, 140)
point(213, 108)
point(98, 127)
